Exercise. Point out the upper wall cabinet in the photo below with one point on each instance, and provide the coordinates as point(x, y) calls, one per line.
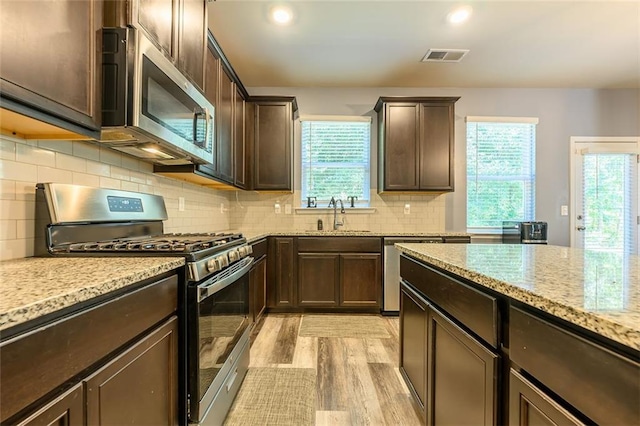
point(415, 144)
point(270, 140)
point(177, 27)
point(51, 52)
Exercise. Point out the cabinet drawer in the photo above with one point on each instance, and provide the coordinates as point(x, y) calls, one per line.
point(339, 244)
point(599, 383)
point(259, 249)
point(35, 363)
point(476, 310)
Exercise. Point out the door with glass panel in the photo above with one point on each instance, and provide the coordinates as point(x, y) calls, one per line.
point(605, 193)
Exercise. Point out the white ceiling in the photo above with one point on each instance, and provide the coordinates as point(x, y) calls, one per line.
point(536, 44)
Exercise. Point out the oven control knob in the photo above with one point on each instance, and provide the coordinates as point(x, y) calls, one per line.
point(249, 250)
point(234, 255)
point(223, 261)
point(212, 265)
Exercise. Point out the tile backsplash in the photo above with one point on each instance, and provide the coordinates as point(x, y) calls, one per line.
point(23, 163)
point(255, 212)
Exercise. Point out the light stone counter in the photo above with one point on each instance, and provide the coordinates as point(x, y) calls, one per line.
point(34, 286)
point(253, 236)
point(594, 290)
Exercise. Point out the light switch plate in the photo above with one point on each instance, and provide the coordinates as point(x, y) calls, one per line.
point(564, 210)
point(407, 208)
point(287, 209)
point(180, 204)
point(277, 208)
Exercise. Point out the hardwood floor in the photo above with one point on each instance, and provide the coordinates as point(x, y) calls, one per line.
point(358, 382)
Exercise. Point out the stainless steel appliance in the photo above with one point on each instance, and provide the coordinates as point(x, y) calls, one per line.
point(391, 290)
point(81, 221)
point(524, 232)
point(149, 109)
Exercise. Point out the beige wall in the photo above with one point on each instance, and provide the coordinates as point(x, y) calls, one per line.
point(25, 163)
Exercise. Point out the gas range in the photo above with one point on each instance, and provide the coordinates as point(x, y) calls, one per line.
point(82, 221)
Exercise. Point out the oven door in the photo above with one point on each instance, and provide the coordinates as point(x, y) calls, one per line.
point(218, 322)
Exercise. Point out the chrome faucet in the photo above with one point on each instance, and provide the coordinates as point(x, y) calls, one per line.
point(334, 203)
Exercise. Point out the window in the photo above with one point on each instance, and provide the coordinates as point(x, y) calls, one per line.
point(500, 171)
point(335, 159)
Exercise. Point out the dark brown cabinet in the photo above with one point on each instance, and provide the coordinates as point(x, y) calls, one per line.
point(66, 36)
point(272, 142)
point(340, 272)
point(140, 385)
point(258, 281)
point(462, 376)
point(413, 343)
point(318, 279)
point(416, 144)
point(225, 124)
point(281, 274)
point(66, 410)
point(136, 331)
point(530, 406)
point(178, 28)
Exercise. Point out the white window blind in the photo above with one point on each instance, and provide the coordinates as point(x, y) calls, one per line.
point(335, 159)
point(500, 171)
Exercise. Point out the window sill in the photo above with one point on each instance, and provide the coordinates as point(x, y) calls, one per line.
point(324, 210)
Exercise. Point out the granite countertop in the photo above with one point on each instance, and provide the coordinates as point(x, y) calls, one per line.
point(253, 236)
point(598, 291)
point(35, 286)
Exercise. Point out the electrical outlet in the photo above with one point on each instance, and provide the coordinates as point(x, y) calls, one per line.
point(277, 208)
point(222, 209)
point(180, 204)
point(564, 210)
point(407, 209)
point(287, 209)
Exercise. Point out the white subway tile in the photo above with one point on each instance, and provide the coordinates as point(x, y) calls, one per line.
point(17, 171)
point(69, 162)
point(106, 182)
point(7, 149)
point(34, 155)
point(17, 210)
point(7, 189)
point(110, 156)
point(86, 179)
point(138, 177)
point(129, 186)
point(129, 162)
point(49, 174)
point(143, 166)
point(16, 249)
point(99, 169)
point(26, 229)
point(65, 147)
point(86, 150)
point(120, 173)
point(25, 191)
point(8, 229)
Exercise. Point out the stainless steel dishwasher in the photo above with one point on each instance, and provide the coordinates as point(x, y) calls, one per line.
point(391, 300)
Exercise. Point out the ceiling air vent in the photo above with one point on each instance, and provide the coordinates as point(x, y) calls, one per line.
point(444, 55)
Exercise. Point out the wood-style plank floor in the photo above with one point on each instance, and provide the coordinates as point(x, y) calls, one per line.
point(358, 381)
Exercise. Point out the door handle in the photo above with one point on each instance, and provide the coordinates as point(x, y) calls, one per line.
point(580, 228)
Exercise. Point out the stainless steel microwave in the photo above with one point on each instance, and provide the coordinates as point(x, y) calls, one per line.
point(149, 109)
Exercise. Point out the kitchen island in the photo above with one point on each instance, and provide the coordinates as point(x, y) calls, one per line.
point(528, 332)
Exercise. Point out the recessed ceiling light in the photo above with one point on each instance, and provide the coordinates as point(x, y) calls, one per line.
point(459, 15)
point(281, 15)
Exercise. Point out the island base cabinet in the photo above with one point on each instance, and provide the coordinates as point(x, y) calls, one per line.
point(66, 410)
point(461, 377)
point(413, 344)
point(529, 406)
point(140, 385)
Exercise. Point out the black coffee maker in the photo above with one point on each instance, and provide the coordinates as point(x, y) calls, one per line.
point(524, 232)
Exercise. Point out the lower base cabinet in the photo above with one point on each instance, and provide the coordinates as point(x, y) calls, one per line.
point(140, 385)
point(529, 406)
point(452, 376)
point(66, 410)
point(462, 377)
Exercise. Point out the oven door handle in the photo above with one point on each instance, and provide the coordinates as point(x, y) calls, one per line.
point(216, 284)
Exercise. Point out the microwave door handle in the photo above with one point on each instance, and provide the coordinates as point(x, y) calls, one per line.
point(206, 289)
point(207, 122)
point(196, 113)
